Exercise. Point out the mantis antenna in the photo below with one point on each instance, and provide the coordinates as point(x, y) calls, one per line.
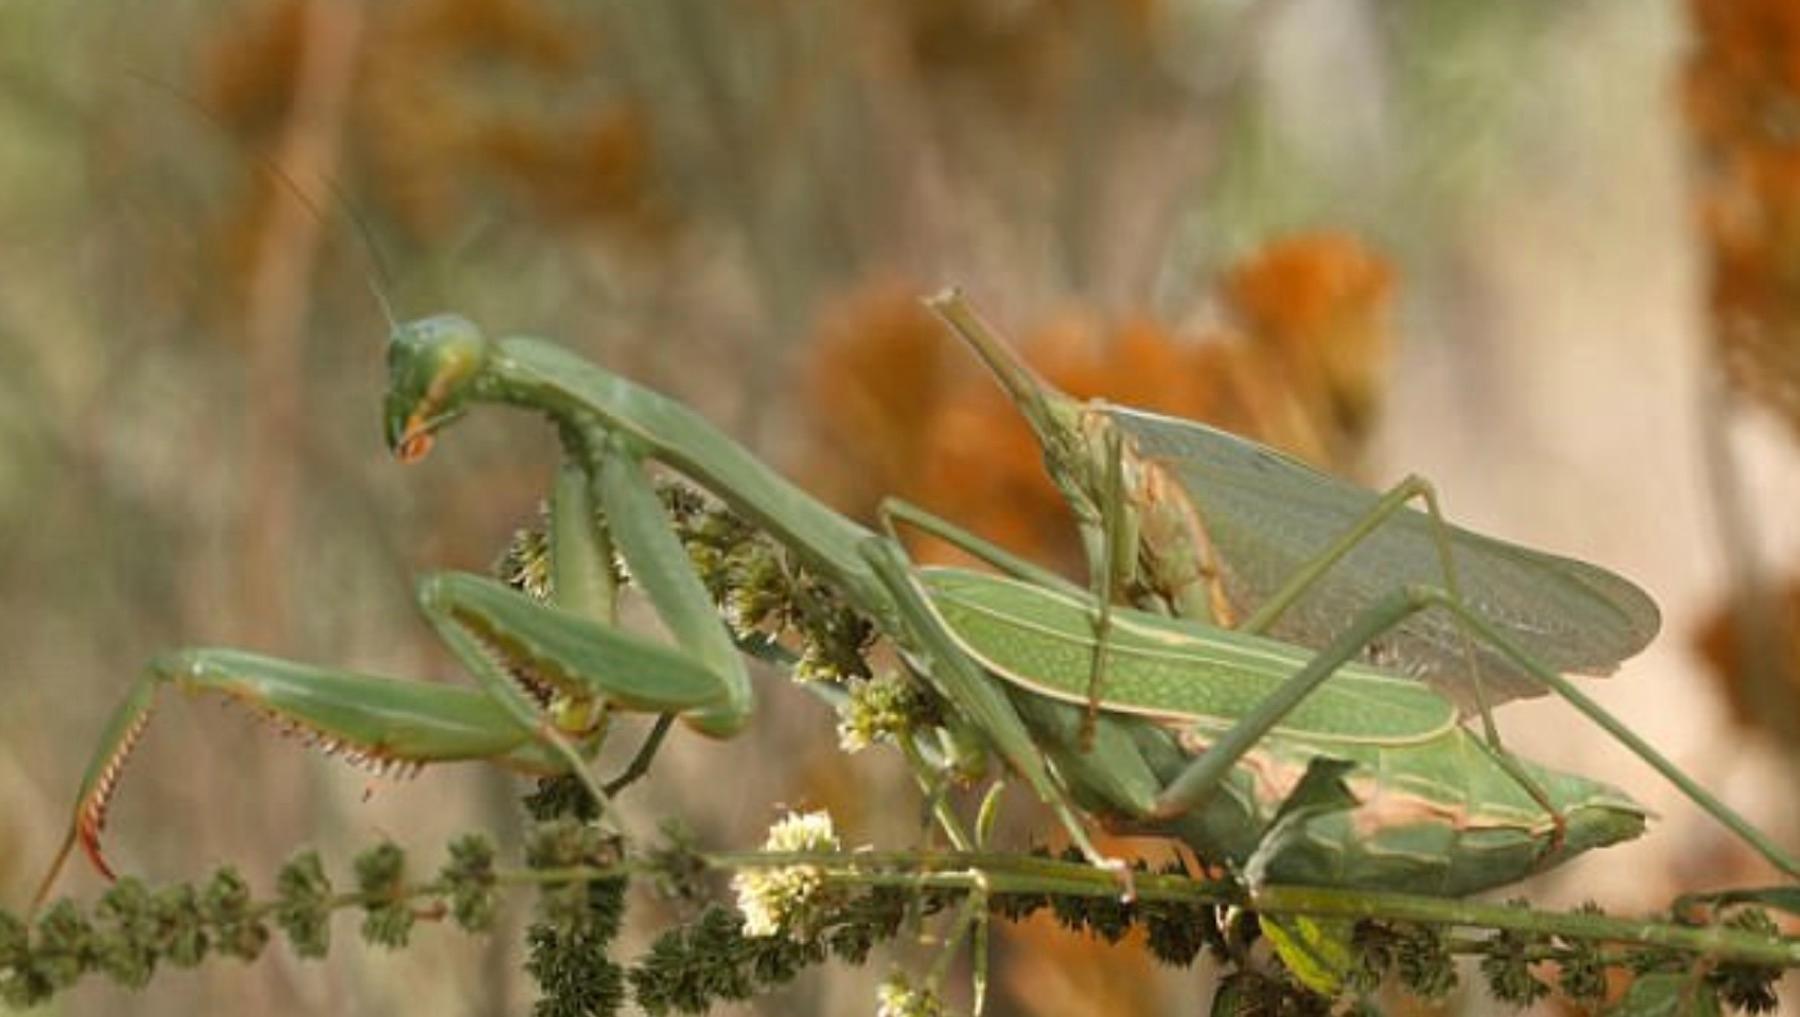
point(376, 276)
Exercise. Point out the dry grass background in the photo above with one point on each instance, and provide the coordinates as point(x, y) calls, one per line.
point(734, 202)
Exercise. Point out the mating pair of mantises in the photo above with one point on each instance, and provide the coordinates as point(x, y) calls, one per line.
point(1257, 588)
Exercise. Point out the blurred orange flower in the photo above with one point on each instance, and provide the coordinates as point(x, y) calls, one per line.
point(1743, 110)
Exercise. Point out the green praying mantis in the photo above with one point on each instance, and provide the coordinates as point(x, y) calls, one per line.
point(1169, 723)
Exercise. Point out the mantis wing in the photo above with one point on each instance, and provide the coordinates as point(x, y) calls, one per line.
point(1268, 514)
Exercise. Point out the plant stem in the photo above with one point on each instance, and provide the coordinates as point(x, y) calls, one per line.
point(1024, 874)
point(996, 874)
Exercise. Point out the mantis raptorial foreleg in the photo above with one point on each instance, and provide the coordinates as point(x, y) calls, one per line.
point(379, 722)
point(547, 671)
point(581, 550)
point(712, 690)
point(644, 536)
point(646, 539)
point(581, 581)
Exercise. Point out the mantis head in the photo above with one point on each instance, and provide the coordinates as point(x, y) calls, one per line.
point(432, 363)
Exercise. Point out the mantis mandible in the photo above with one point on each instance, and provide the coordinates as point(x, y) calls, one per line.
point(547, 674)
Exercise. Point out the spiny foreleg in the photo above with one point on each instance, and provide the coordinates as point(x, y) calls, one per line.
point(385, 724)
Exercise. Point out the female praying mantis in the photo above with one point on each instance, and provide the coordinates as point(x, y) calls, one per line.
point(1230, 754)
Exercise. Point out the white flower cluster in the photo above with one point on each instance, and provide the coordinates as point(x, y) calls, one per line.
point(787, 899)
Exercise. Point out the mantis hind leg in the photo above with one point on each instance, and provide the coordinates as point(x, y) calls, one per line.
point(1556, 683)
point(1385, 508)
point(1203, 776)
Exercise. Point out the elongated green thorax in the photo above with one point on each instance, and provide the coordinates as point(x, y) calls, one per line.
point(599, 406)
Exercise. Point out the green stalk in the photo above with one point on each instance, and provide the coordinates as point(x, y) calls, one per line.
point(1016, 874)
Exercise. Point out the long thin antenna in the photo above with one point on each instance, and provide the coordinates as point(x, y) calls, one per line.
point(376, 276)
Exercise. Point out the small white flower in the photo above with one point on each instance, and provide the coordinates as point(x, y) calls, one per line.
point(790, 898)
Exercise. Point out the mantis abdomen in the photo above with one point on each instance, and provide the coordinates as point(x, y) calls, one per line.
point(1418, 803)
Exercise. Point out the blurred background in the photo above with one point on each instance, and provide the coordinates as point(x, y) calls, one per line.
point(1545, 253)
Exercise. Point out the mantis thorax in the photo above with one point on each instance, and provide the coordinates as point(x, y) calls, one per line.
point(1177, 567)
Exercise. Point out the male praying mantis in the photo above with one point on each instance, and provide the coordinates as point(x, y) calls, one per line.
point(547, 672)
point(1239, 534)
